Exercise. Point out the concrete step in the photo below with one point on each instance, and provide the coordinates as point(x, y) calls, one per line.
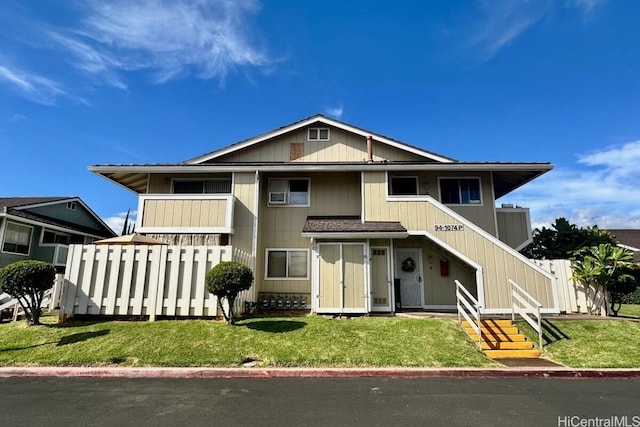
point(505, 330)
point(507, 345)
point(511, 354)
point(499, 337)
point(490, 323)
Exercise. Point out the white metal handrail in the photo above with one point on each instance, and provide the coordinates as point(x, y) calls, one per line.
point(528, 305)
point(468, 305)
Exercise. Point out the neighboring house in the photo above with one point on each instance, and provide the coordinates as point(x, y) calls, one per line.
point(348, 220)
point(628, 239)
point(42, 228)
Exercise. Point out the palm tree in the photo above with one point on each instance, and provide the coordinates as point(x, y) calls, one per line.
point(601, 267)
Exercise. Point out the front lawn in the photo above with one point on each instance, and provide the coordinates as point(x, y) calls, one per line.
point(311, 341)
point(598, 343)
point(630, 310)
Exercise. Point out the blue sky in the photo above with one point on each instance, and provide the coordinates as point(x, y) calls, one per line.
point(120, 82)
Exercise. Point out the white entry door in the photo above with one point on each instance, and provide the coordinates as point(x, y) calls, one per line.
point(408, 269)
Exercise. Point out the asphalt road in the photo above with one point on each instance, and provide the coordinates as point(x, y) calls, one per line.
point(318, 402)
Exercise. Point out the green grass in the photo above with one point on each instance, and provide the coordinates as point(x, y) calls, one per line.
point(630, 310)
point(310, 341)
point(606, 343)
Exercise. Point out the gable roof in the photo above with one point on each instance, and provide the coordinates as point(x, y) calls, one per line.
point(17, 207)
point(15, 202)
point(318, 118)
point(628, 238)
point(506, 176)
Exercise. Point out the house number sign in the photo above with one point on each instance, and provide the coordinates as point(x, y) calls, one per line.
point(449, 227)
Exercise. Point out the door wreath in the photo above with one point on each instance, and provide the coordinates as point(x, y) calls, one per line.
point(408, 265)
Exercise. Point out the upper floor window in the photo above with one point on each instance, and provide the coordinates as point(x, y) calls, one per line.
point(318, 134)
point(71, 206)
point(460, 191)
point(202, 186)
point(403, 185)
point(17, 239)
point(292, 192)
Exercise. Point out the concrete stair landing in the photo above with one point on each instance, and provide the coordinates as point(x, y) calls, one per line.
point(501, 339)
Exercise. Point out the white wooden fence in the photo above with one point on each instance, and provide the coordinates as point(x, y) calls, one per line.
point(142, 280)
point(573, 297)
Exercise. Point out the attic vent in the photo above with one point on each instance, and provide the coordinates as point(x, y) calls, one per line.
point(71, 206)
point(318, 134)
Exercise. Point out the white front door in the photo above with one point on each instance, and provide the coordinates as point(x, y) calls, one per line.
point(408, 269)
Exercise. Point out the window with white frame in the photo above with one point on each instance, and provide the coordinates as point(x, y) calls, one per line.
point(50, 237)
point(17, 238)
point(289, 192)
point(202, 186)
point(460, 191)
point(318, 134)
point(403, 185)
point(287, 264)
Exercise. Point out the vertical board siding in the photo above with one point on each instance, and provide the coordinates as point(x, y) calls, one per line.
point(513, 227)
point(176, 212)
point(143, 280)
point(342, 146)
point(573, 297)
point(499, 264)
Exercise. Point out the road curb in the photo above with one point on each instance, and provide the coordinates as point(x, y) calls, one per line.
point(317, 373)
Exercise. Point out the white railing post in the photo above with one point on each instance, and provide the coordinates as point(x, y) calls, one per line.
point(467, 302)
point(528, 305)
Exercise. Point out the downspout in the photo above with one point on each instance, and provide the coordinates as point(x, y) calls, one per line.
point(369, 149)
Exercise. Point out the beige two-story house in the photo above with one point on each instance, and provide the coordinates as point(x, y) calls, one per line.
point(338, 219)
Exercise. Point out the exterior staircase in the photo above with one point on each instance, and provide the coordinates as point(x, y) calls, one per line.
point(501, 339)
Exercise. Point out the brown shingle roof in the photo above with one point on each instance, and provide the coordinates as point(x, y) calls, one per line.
point(14, 202)
point(349, 224)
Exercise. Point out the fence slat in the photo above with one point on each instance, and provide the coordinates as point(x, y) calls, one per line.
point(142, 255)
point(85, 280)
point(110, 304)
point(127, 282)
point(201, 271)
point(101, 252)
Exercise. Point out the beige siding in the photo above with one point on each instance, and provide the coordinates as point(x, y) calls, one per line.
point(281, 226)
point(184, 213)
point(244, 211)
point(342, 147)
point(514, 226)
point(498, 264)
point(481, 215)
point(438, 289)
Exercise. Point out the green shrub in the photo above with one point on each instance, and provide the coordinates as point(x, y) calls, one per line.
point(27, 281)
point(632, 298)
point(226, 280)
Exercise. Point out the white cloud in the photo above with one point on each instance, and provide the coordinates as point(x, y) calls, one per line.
point(169, 38)
point(31, 85)
point(603, 191)
point(588, 5)
point(502, 22)
point(116, 222)
point(335, 111)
